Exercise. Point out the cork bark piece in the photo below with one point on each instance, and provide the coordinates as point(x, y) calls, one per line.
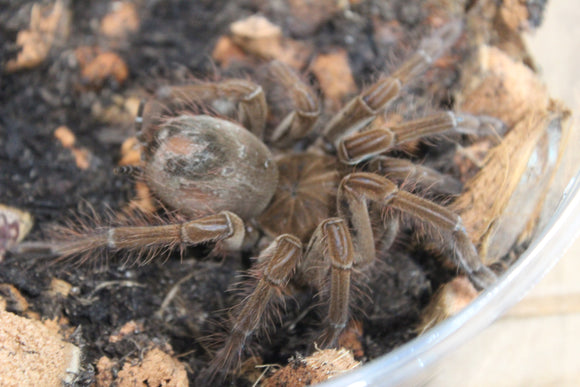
point(31, 354)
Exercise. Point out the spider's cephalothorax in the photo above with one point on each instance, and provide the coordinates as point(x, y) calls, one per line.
point(315, 204)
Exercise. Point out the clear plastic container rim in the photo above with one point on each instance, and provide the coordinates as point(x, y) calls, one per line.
point(417, 355)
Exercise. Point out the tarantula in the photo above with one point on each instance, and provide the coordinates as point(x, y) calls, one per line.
point(317, 202)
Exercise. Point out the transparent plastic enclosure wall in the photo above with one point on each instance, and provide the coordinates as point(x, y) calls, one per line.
point(416, 362)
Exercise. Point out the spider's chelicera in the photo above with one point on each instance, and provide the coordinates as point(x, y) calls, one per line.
point(318, 204)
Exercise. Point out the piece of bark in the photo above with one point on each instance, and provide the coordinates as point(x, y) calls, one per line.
point(500, 205)
point(316, 368)
point(31, 354)
point(257, 36)
point(156, 368)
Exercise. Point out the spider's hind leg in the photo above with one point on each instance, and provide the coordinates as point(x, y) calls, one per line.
point(361, 186)
point(359, 111)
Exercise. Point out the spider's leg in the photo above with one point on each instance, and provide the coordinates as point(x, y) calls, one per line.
point(357, 147)
point(277, 264)
point(402, 169)
point(225, 228)
point(301, 120)
point(248, 97)
point(331, 248)
point(363, 186)
point(372, 101)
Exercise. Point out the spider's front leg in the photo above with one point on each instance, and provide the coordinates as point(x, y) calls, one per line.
point(276, 266)
point(358, 188)
point(357, 147)
point(363, 108)
point(330, 248)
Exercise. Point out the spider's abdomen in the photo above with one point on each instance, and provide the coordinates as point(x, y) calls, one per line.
point(200, 165)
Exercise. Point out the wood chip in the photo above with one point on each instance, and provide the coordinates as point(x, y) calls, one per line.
point(67, 139)
point(59, 288)
point(15, 301)
point(130, 152)
point(131, 327)
point(227, 52)
point(48, 25)
point(15, 224)
point(333, 73)
point(257, 36)
point(320, 366)
point(31, 354)
point(105, 65)
point(307, 15)
point(65, 136)
point(157, 368)
point(121, 22)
